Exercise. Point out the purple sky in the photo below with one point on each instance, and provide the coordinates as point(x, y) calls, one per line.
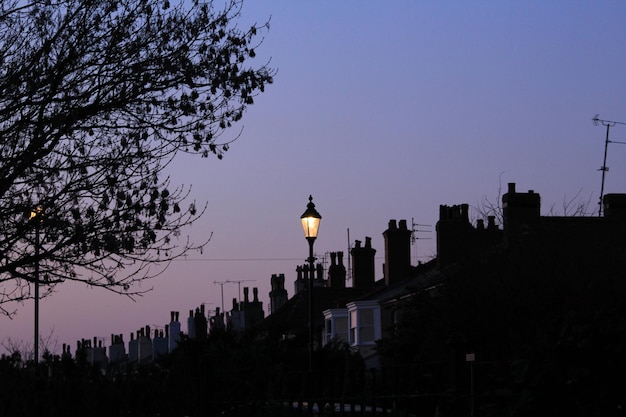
point(382, 110)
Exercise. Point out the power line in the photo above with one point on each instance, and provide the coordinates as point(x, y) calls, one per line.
point(249, 259)
point(237, 259)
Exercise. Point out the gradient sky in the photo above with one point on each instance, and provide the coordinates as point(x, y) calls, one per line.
point(381, 110)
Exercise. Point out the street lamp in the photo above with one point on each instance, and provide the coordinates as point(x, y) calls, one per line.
point(36, 215)
point(311, 224)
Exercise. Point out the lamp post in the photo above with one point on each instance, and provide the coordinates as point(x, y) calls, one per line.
point(35, 216)
point(311, 223)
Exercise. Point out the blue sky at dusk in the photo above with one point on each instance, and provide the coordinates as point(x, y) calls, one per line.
point(381, 110)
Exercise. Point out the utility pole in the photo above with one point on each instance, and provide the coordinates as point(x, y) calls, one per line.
point(608, 123)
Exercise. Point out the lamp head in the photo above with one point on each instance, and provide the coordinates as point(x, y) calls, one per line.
point(310, 220)
point(36, 213)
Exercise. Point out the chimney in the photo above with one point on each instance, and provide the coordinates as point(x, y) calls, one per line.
point(278, 295)
point(174, 333)
point(200, 324)
point(397, 252)
point(454, 233)
point(520, 213)
point(319, 276)
point(191, 325)
point(363, 266)
point(336, 271)
point(301, 283)
point(614, 206)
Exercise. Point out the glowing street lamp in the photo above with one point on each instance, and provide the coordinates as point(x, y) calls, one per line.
point(310, 221)
point(311, 224)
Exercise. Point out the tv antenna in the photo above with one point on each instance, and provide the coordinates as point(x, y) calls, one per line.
point(418, 228)
point(608, 123)
point(221, 283)
point(239, 284)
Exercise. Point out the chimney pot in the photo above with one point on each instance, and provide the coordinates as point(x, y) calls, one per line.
point(512, 187)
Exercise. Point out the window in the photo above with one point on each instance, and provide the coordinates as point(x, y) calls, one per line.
point(328, 334)
point(364, 322)
point(341, 329)
point(366, 326)
point(353, 327)
point(336, 325)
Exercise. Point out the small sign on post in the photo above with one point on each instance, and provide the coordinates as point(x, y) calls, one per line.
point(470, 358)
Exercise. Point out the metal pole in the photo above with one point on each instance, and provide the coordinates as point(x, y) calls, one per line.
point(311, 276)
point(36, 292)
point(604, 168)
point(471, 389)
point(222, 298)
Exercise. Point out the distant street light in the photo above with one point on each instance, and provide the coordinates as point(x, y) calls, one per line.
point(311, 223)
point(36, 215)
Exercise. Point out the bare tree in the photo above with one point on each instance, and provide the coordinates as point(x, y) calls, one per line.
point(96, 99)
point(488, 208)
point(25, 348)
point(573, 207)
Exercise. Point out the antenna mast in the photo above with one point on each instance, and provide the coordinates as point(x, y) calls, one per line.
point(608, 123)
point(239, 284)
point(416, 228)
point(221, 283)
point(349, 256)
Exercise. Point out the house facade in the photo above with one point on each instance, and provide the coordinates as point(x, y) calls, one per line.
point(375, 314)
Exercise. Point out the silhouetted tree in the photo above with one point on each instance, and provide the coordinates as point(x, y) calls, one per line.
point(96, 99)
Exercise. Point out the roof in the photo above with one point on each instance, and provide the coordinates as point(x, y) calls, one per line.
point(293, 316)
point(422, 276)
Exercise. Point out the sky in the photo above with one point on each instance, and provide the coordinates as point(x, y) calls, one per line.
point(380, 110)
